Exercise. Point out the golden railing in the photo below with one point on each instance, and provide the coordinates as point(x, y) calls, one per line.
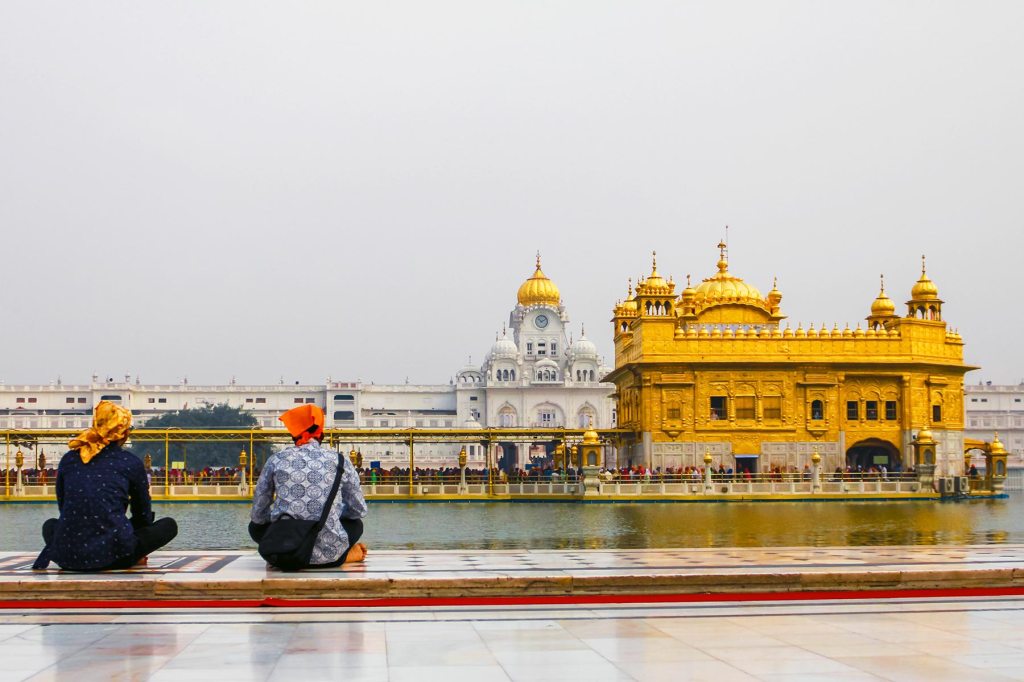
point(248, 440)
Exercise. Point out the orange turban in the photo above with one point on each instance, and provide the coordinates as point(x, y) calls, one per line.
point(110, 423)
point(304, 423)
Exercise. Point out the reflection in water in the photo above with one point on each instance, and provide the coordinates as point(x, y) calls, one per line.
point(500, 525)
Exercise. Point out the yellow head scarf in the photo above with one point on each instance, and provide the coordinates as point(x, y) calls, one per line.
point(110, 423)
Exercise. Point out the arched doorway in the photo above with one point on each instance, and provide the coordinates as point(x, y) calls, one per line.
point(873, 452)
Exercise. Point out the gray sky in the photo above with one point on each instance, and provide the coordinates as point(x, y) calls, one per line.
point(358, 189)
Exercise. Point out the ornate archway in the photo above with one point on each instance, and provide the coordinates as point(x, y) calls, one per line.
point(873, 452)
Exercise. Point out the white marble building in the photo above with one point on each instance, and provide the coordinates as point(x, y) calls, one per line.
point(535, 375)
point(996, 408)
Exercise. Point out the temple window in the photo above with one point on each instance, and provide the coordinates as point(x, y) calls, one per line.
point(852, 410)
point(745, 407)
point(871, 410)
point(672, 413)
point(890, 410)
point(719, 407)
point(817, 410)
point(936, 413)
point(772, 405)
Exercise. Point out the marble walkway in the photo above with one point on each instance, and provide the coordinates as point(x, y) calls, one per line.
point(959, 639)
point(529, 573)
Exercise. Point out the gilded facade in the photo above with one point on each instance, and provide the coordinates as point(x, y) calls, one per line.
point(714, 369)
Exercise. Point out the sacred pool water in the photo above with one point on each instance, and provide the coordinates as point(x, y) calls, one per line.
point(552, 525)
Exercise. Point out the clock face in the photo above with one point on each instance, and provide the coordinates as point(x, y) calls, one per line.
point(541, 321)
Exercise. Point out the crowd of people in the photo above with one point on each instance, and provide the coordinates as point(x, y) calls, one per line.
point(99, 481)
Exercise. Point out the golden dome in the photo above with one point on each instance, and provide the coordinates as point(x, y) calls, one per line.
point(997, 447)
point(689, 292)
point(654, 284)
point(723, 287)
point(630, 303)
point(924, 288)
point(774, 296)
point(883, 305)
point(539, 290)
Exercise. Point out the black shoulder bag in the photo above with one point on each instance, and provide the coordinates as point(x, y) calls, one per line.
point(288, 542)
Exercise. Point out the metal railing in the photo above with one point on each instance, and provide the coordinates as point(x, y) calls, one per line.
point(410, 478)
point(169, 480)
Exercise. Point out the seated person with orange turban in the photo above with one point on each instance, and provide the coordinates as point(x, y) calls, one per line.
point(297, 481)
point(97, 482)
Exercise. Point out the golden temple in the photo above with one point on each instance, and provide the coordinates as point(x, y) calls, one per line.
point(711, 370)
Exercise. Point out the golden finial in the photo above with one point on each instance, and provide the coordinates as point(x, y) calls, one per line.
point(654, 263)
point(687, 279)
point(723, 260)
point(629, 286)
point(538, 260)
point(922, 265)
point(583, 330)
point(775, 282)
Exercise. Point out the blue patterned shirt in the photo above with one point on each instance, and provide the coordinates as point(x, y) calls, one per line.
point(297, 481)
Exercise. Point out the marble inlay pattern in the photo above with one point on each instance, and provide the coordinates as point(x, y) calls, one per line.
point(389, 574)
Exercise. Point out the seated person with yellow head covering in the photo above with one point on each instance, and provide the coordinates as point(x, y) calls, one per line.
point(297, 481)
point(97, 481)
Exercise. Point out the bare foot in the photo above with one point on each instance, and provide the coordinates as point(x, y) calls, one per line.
point(356, 554)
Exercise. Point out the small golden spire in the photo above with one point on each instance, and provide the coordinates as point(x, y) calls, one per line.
point(775, 282)
point(723, 259)
point(538, 260)
point(629, 286)
point(654, 261)
point(881, 279)
point(687, 279)
point(922, 265)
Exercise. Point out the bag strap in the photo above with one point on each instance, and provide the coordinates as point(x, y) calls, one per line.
point(330, 499)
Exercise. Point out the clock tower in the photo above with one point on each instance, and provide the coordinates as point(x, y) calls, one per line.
point(538, 325)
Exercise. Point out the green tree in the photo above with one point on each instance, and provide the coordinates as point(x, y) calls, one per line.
point(200, 454)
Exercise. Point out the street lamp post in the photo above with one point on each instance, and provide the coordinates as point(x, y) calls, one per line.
point(243, 484)
point(19, 462)
point(463, 488)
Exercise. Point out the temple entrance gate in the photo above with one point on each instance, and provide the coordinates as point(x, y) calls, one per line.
point(873, 452)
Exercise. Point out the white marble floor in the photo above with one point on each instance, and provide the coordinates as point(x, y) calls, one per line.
point(868, 639)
